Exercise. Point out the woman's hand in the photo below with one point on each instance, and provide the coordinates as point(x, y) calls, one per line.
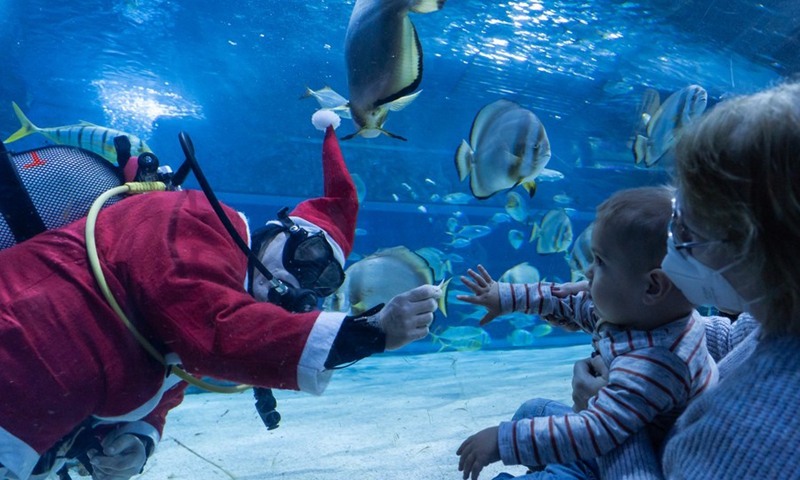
point(588, 377)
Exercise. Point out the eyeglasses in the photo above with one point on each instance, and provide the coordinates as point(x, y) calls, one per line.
point(682, 236)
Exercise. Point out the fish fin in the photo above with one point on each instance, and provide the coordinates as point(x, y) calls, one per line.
point(89, 124)
point(309, 93)
point(444, 285)
point(402, 102)
point(27, 126)
point(427, 6)
point(640, 149)
point(342, 110)
point(464, 160)
point(392, 135)
point(530, 187)
point(534, 232)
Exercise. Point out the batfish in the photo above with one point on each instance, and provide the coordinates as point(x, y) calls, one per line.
point(384, 61)
point(680, 109)
point(507, 146)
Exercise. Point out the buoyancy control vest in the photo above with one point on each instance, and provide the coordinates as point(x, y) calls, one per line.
point(49, 187)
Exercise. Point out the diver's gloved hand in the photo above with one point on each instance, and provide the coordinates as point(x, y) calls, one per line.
point(408, 315)
point(123, 456)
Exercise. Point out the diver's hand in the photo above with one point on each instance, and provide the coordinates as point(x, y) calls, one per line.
point(588, 377)
point(123, 456)
point(478, 451)
point(408, 315)
point(487, 293)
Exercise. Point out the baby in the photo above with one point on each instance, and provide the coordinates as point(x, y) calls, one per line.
point(644, 329)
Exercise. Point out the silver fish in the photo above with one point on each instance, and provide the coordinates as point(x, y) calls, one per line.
point(384, 61)
point(328, 99)
point(521, 273)
point(677, 111)
point(515, 238)
point(581, 256)
point(462, 339)
point(507, 146)
point(378, 277)
point(554, 234)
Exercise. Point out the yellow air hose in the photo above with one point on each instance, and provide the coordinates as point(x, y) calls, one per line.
point(94, 261)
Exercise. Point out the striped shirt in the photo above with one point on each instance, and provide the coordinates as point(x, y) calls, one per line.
point(652, 376)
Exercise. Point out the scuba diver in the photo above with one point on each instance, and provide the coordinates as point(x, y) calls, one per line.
point(77, 383)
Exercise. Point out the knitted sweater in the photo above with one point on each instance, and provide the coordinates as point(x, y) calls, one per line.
point(744, 427)
point(652, 376)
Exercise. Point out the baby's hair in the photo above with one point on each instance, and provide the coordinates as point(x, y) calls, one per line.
point(738, 169)
point(639, 217)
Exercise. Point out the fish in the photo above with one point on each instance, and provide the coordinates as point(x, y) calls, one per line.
point(460, 242)
point(554, 234)
point(541, 330)
point(562, 198)
point(547, 175)
point(438, 261)
point(457, 198)
point(517, 208)
point(521, 338)
point(361, 188)
point(516, 238)
point(88, 136)
point(581, 256)
point(520, 273)
point(384, 61)
point(677, 111)
point(471, 232)
point(328, 99)
point(380, 276)
point(499, 218)
point(507, 146)
point(462, 339)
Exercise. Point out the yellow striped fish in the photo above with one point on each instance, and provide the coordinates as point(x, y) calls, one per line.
point(88, 136)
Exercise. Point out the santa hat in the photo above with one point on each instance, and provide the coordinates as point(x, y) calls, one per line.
point(336, 212)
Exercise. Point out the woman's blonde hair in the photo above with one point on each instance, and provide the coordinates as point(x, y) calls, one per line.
point(738, 170)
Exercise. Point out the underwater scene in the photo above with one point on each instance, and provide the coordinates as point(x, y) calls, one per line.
point(497, 128)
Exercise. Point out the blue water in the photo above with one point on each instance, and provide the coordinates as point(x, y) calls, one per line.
point(230, 73)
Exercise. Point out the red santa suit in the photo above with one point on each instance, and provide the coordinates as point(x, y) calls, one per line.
point(180, 277)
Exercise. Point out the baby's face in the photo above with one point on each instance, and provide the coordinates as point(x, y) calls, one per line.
point(616, 284)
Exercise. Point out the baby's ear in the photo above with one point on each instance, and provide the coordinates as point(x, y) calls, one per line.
point(659, 286)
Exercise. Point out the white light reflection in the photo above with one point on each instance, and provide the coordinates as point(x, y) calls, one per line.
point(136, 108)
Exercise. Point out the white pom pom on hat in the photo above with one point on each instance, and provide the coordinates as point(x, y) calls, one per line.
point(337, 211)
point(322, 118)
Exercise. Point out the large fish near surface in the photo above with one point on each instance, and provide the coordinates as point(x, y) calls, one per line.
point(677, 111)
point(88, 136)
point(384, 61)
point(378, 277)
point(507, 146)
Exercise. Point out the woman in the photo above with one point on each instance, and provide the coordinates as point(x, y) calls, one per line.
point(733, 243)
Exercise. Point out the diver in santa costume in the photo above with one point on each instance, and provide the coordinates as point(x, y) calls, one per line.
point(71, 366)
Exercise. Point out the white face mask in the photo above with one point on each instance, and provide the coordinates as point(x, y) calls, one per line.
point(702, 285)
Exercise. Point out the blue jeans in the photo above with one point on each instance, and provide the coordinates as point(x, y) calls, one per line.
point(578, 470)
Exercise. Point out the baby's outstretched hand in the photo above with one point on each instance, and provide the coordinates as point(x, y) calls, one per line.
point(487, 293)
point(478, 451)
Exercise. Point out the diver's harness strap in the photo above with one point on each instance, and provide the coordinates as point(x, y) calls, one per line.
point(16, 205)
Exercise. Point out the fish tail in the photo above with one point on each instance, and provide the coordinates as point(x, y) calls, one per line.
point(27, 126)
point(640, 149)
point(443, 299)
point(308, 93)
point(426, 6)
point(464, 160)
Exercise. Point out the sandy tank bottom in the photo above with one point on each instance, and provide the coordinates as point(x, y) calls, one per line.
point(387, 417)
